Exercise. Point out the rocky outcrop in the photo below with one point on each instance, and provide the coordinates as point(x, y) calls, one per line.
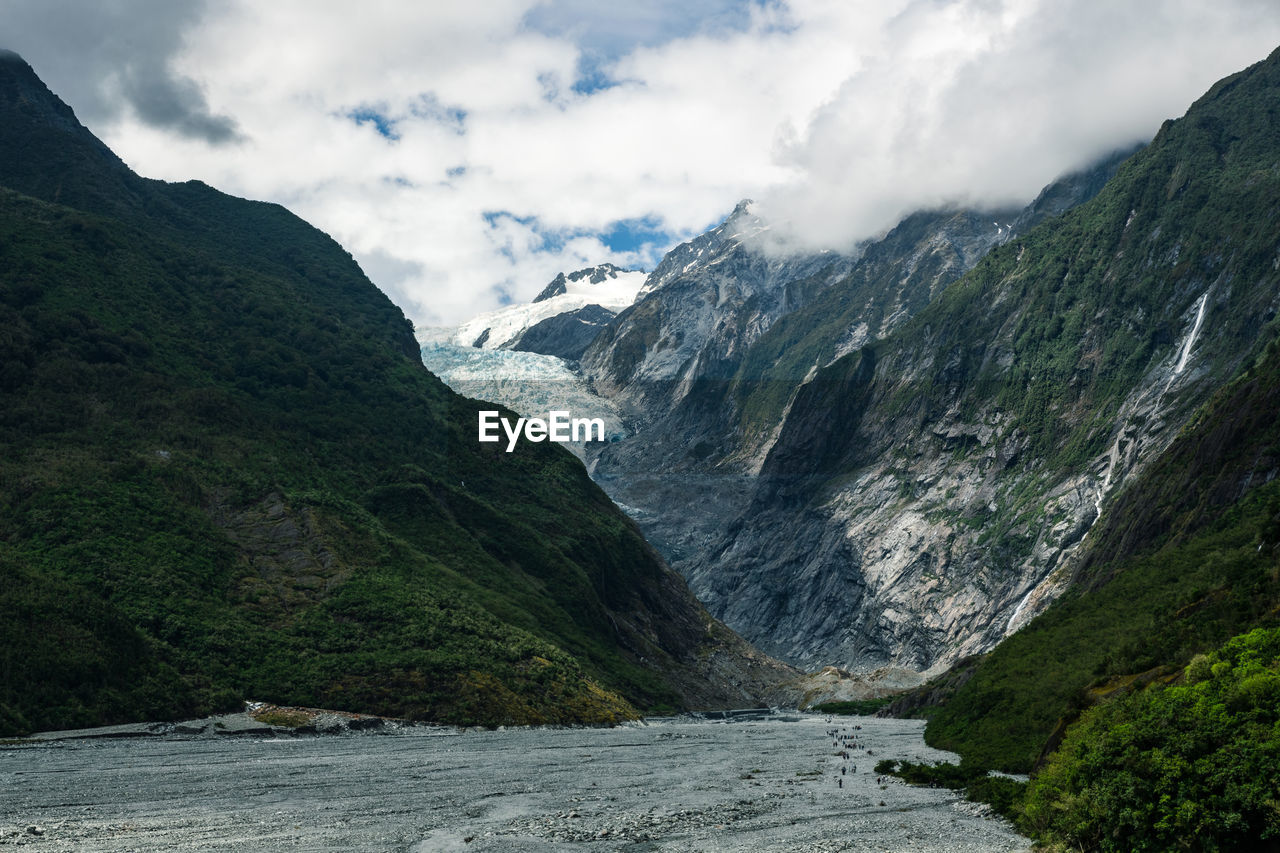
point(565, 335)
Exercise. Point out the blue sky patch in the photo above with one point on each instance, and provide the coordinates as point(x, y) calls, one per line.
point(644, 236)
point(385, 126)
point(614, 29)
point(592, 77)
point(632, 235)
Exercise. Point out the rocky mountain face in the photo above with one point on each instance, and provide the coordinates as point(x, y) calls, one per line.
point(667, 364)
point(703, 306)
point(565, 335)
point(929, 492)
point(1193, 541)
point(709, 360)
point(1186, 554)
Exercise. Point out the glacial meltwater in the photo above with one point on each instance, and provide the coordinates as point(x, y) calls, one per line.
point(775, 784)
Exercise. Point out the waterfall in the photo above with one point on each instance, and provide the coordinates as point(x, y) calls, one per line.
point(1121, 442)
point(1191, 339)
point(1017, 611)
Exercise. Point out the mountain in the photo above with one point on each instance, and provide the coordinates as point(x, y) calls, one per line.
point(928, 493)
point(707, 301)
point(708, 380)
point(226, 474)
point(563, 319)
point(667, 362)
point(1184, 556)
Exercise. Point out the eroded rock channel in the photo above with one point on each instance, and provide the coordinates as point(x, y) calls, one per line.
point(763, 785)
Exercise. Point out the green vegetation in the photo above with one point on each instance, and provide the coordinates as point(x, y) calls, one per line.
point(1187, 765)
point(854, 707)
point(1139, 735)
point(1190, 766)
point(225, 474)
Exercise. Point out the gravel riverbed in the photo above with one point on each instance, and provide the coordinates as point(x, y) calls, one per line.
point(674, 785)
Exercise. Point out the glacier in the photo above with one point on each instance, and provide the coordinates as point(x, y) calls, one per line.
point(529, 383)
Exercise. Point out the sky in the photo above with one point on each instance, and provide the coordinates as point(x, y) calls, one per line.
point(465, 153)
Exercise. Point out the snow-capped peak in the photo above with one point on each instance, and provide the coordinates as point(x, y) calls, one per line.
point(605, 285)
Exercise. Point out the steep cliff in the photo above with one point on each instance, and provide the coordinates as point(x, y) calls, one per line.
point(707, 376)
point(927, 493)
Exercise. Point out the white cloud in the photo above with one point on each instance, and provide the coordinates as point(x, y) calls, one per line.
point(838, 117)
point(985, 103)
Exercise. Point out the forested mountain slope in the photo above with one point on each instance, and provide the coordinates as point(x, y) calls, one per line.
point(226, 474)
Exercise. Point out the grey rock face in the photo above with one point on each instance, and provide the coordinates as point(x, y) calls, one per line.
point(700, 310)
point(565, 335)
point(727, 353)
point(690, 445)
point(918, 537)
point(669, 361)
point(920, 502)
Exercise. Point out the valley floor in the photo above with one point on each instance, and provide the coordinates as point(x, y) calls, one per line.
point(766, 785)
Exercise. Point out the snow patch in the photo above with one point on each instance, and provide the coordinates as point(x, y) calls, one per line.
point(507, 324)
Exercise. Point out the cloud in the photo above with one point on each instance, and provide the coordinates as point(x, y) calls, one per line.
point(466, 153)
point(169, 101)
point(615, 29)
point(110, 60)
point(983, 103)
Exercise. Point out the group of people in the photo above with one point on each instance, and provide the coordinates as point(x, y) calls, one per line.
point(846, 740)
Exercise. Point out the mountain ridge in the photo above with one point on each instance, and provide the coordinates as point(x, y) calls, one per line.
point(705, 435)
point(1001, 416)
point(206, 499)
